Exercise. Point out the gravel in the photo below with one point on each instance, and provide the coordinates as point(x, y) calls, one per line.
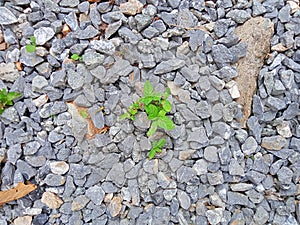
point(64, 134)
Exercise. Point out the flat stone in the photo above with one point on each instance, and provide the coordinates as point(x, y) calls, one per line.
point(79, 202)
point(273, 143)
point(184, 199)
point(200, 167)
point(132, 7)
point(234, 198)
point(235, 168)
point(60, 167)
point(8, 72)
point(51, 200)
point(43, 35)
point(248, 67)
point(116, 174)
point(95, 194)
point(241, 187)
point(211, 154)
point(214, 216)
point(7, 17)
point(54, 180)
point(168, 66)
point(215, 178)
point(22, 220)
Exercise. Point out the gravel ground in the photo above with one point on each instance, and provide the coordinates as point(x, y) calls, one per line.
point(96, 170)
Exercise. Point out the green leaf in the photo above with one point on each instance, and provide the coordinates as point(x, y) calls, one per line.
point(1, 110)
point(167, 93)
point(165, 123)
point(160, 143)
point(152, 111)
point(146, 100)
point(133, 111)
point(124, 116)
point(30, 48)
point(75, 57)
point(84, 114)
point(152, 129)
point(152, 153)
point(13, 95)
point(148, 88)
point(33, 40)
point(162, 113)
point(166, 105)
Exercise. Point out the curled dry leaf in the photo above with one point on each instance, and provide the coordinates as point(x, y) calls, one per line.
point(15, 193)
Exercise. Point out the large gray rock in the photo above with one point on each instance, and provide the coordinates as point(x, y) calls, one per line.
point(7, 17)
point(168, 66)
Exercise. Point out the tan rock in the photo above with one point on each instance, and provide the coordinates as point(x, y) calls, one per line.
point(256, 33)
point(273, 143)
point(59, 167)
point(186, 154)
point(132, 7)
point(8, 72)
point(284, 129)
point(51, 200)
point(115, 206)
point(24, 220)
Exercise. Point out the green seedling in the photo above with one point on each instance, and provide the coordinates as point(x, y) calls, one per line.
point(156, 147)
point(76, 57)
point(6, 99)
point(84, 114)
point(32, 46)
point(156, 105)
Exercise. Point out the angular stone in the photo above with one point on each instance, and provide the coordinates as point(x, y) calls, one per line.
point(234, 198)
point(79, 202)
point(215, 178)
point(51, 200)
point(214, 216)
point(23, 220)
point(256, 33)
point(211, 154)
point(7, 17)
point(273, 143)
point(43, 35)
point(116, 174)
point(241, 187)
point(132, 7)
point(115, 206)
point(96, 194)
point(184, 174)
point(168, 66)
point(184, 199)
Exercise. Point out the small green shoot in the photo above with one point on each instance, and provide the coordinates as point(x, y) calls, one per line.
point(6, 99)
point(156, 105)
point(156, 147)
point(32, 46)
point(84, 114)
point(76, 57)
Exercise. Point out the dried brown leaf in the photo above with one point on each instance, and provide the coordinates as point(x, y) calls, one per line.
point(15, 193)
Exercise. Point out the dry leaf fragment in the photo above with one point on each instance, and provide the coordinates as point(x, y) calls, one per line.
point(15, 193)
point(19, 66)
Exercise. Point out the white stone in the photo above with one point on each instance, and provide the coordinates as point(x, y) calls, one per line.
point(59, 167)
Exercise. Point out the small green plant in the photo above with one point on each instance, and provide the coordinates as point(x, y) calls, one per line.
point(156, 147)
point(6, 99)
point(84, 114)
point(156, 106)
point(32, 46)
point(76, 57)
